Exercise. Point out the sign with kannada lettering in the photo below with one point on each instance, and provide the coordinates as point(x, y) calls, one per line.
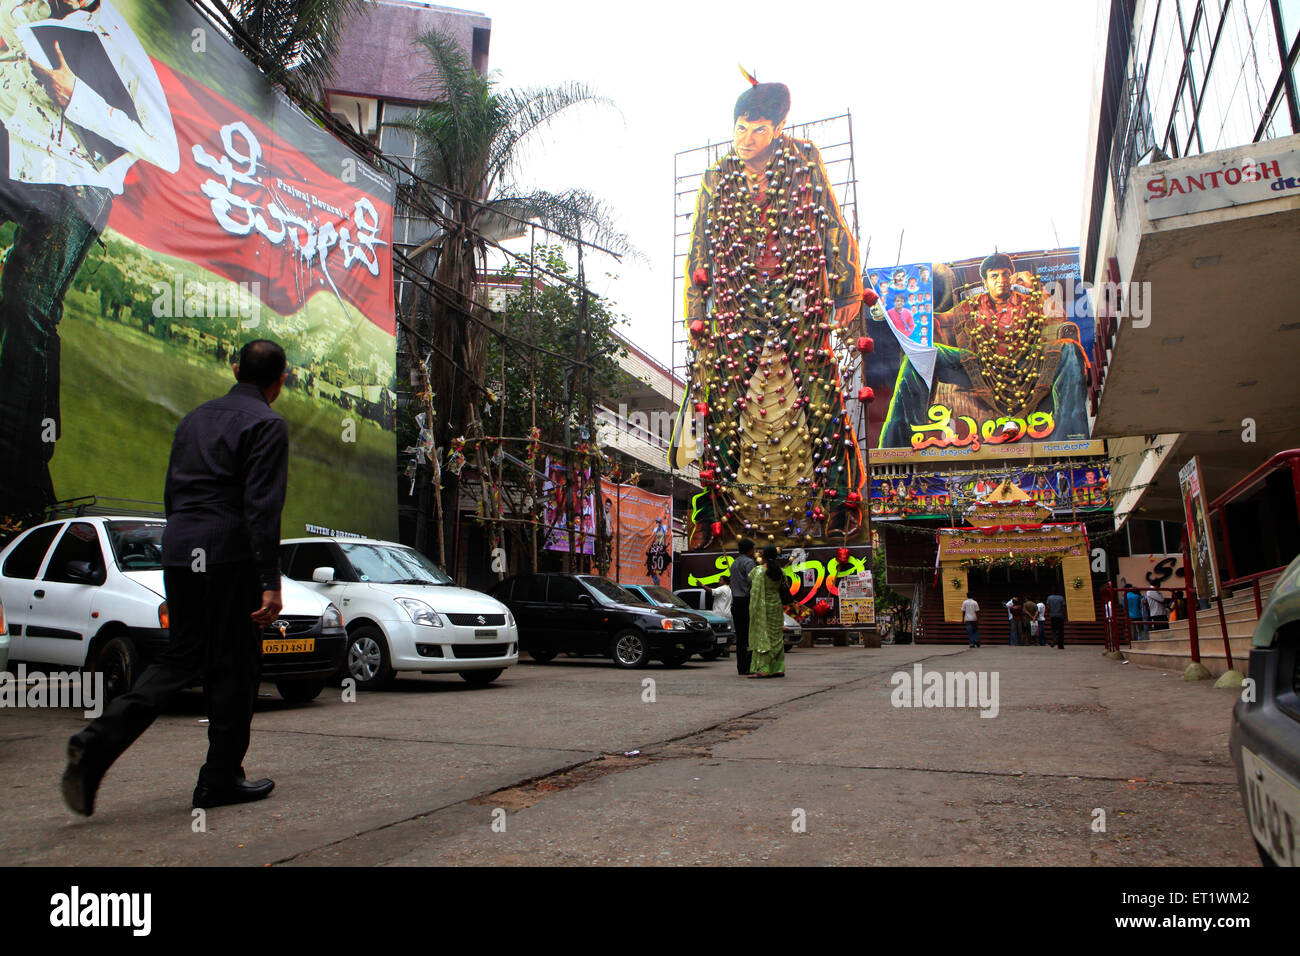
point(162, 206)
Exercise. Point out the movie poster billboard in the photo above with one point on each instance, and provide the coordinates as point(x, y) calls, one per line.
point(161, 205)
point(640, 525)
point(1065, 489)
point(563, 498)
point(773, 294)
point(1200, 537)
point(984, 351)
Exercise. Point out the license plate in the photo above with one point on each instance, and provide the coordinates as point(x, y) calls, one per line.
point(722, 639)
point(303, 645)
point(1273, 806)
point(489, 633)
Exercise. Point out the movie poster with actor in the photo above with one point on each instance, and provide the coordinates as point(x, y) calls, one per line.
point(160, 205)
point(772, 285)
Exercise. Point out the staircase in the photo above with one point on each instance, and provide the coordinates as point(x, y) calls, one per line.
point(994, 628)
point(1171, 649)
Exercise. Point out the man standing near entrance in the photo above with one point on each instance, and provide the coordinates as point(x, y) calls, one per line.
point(221, 571)
point(740, 568)
point(1056, 613)
point(970, 614)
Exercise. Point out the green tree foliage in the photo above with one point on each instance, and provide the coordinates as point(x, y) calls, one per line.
point(299, 37)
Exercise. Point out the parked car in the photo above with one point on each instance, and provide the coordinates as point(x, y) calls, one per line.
point(1265, 736)
point(586, 614)
point(87, 592)
point(403, 612)
point(660, 596)
point(701, 599)
point(4, 639)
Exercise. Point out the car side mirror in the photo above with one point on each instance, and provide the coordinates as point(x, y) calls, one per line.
point(80, 571)
point(584, 600)
point(323, 575)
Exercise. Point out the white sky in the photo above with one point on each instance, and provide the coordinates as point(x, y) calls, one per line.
point(970, 118)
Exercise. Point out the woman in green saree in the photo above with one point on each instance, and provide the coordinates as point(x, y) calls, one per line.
point(767, 591)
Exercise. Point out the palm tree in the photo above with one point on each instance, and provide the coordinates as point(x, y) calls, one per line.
point(300, 37)
point(469, 141)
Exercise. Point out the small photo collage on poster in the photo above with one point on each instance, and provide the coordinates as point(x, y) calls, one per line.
point(907, 293)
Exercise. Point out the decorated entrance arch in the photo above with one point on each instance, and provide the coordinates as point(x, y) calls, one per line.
point(1009, 528)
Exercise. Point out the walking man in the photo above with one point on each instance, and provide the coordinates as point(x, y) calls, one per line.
point(970, 614)
point(1013, 615)
point(1056, 613)
point(221, 570)
point(740, 569)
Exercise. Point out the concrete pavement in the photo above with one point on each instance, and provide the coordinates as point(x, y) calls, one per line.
point(818, 768)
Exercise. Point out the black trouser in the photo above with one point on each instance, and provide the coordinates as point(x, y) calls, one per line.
point(740, 617)
point(56, 226)
point(1058, 631)
point(213, 639)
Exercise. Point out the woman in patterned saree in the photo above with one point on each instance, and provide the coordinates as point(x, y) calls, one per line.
point(767, 589)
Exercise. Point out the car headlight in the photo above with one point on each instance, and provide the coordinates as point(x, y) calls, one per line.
point(510, 618)
point(331, 620)
point(674, 624)
point(420, 612)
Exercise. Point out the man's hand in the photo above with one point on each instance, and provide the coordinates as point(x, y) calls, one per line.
point(59, 82)
point(270, 608)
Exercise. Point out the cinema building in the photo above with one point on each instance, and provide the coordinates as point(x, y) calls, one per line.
point(1191, 235)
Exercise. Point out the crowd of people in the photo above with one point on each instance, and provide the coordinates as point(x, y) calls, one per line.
point(1029, 621)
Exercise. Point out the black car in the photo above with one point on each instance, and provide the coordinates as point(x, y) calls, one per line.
point(587, 614)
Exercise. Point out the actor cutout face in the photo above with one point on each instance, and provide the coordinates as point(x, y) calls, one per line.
point(998, 282)
point(755, 139)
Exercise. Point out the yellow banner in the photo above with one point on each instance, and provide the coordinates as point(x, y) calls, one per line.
point(953, 582)
point(1077, 573)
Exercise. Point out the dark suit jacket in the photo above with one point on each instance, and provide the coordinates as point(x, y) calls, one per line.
point(226, 483)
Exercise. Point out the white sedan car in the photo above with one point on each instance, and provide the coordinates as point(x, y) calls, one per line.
point(87, 592)
point(402, 612)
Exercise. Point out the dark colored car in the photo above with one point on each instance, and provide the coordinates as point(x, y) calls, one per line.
point(587, 614)
point(1265, 737)
point(660, 596)
point(701, 599)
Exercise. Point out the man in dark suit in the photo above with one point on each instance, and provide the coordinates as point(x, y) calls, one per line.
point(221, 568)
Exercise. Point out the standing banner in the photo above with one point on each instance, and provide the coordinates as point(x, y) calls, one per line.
point(161, 204)
point(640, 525)
point(1200, 541)
point(561, 495)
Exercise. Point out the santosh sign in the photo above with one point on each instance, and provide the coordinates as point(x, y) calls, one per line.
point(1177, 188)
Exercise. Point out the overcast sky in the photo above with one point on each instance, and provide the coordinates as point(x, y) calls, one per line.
point(970, 119)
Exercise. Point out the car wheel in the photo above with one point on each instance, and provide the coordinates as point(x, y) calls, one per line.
point(630, 649)
point(712, 655)
point(541, 656)
point(299, 691)
point(479, 678)
point(367, 659)
point(675, 658)
point(119, 662)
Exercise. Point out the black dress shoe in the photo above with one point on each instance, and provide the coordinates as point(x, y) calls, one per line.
point(245, 791)
point(80, 780)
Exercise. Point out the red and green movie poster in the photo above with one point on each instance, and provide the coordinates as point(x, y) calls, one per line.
point(160, 205)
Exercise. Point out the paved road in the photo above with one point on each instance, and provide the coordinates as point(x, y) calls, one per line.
point(428, 773)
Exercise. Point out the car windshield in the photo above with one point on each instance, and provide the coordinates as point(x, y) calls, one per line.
point(137, 545)
point(607, 592)
point(388, 564)
point(664, 597)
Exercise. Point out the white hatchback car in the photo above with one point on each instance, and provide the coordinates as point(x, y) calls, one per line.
point(402, 612)
point(88, 592)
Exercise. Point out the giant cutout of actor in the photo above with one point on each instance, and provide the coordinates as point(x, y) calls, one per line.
point(772, 268)
point(1005, 356)
point(80, 102)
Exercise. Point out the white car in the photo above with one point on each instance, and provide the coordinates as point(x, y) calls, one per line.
point(402, 612)
point(87, 592)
